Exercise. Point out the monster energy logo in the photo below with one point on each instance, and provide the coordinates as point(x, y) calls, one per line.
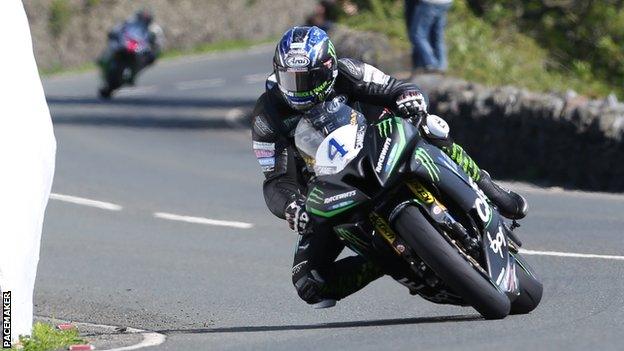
point(460, 157)
point(316, 196)
point(385, 128)
point(331, 49)
point(351, 238)
point(427, 162)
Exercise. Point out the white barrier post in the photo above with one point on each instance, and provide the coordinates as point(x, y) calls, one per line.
point(27, 152)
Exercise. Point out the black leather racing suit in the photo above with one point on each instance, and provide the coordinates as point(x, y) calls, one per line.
point(316, 273)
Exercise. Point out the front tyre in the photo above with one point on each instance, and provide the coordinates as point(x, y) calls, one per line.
point(450, 266)
point(531, 289)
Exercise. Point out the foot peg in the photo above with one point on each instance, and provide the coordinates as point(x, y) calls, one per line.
point(511, 235)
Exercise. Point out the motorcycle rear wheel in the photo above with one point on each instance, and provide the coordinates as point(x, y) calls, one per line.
point(450, 266)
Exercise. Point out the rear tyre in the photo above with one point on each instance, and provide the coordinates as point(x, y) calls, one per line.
point(105, 93)
point(450, 266)
point(531, 290)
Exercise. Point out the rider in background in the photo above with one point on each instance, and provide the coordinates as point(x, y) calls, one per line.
point(143, 19)
point(307, 72)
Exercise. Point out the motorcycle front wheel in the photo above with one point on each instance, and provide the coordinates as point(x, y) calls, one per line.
point(445, 260)
point(531, 288)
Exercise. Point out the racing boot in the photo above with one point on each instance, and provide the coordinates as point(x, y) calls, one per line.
point(510, 204)
point(345, 277)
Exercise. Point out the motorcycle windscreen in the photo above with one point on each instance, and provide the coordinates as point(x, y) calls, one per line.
point(329, 136)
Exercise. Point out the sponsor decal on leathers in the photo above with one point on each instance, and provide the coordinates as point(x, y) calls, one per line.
point(259, 145)
point(262, 126)
point(264, 153)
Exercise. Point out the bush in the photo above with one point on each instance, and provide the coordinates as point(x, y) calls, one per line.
point(584, 37)
point(490, 42)
point(60, 14)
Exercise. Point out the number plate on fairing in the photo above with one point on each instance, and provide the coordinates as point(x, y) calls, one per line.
point(336, 150)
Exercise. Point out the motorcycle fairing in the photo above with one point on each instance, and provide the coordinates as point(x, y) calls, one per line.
point(330, 197)
point(432, 164)
point(387, 140)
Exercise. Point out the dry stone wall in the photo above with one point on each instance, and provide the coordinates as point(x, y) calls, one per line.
point(563, 139)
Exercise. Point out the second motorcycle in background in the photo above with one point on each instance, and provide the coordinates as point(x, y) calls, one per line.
point(132, 46)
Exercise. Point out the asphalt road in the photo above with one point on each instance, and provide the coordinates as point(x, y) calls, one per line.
point(168, 146)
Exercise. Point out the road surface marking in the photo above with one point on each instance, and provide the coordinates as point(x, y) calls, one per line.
point(235, 118)
point(570, 254)
point(150, 339)
point(200, 84)
point(86, 202)
point(530, 188)
point(202, 220)
point(137, 91)
point(255, 78)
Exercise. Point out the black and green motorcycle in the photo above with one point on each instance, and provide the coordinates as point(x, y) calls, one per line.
point(401, 202)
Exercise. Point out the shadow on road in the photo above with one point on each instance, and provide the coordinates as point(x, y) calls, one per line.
point(152, 101)
point(151, 112)
point(132, 121)
point(336, 325)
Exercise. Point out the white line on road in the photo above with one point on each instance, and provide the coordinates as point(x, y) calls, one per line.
point(255, 78)
point(234, 117)
point(137, 90)
point(86, 202)
point(202, 220)
point(150, 339)
point(570, 254)
point(200, 84)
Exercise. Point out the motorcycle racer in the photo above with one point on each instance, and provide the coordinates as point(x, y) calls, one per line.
point(306, 72)
point(143, 19)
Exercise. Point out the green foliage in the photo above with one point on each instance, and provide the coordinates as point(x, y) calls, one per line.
point(46, 338)
point(583, 36)
point(493, 49)
point(91, 3)
point(61, 12)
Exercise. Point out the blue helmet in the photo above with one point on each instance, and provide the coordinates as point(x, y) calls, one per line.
point(305, 66)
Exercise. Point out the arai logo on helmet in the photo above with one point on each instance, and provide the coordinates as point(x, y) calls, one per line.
point(297, 61)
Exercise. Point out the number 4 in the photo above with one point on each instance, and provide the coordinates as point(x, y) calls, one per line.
point(335, 148)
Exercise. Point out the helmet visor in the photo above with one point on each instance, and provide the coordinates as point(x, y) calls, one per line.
point(303, 83)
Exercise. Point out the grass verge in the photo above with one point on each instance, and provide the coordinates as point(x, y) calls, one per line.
point(45, 337)
point(491, 55)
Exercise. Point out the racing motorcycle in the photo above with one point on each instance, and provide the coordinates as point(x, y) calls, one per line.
point(131, 52)
point(401, 202)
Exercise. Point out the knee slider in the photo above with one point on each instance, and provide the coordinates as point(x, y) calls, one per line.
point(309, 287)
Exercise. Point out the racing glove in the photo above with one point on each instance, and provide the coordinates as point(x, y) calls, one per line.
point(297, 216)
point(412, 104)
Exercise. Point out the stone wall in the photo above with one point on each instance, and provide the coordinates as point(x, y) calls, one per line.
point(70, 33)
point(563, 139)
